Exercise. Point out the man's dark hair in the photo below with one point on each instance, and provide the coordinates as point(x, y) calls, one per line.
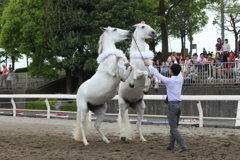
point(209, 54)
point(176, 69)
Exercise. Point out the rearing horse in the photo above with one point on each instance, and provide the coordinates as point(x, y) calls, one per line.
point(103, 86)
point(133, 97)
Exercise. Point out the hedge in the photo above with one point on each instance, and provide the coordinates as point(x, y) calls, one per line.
point(40, 104)
point(70, 107)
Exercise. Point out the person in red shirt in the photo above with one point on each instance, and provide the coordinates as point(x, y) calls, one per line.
point(227, 68)
point(4, 75)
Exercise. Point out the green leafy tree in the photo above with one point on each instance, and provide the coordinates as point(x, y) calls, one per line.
point(149, 15)
point(22, 28)
point(193, 19)
point(116, 13)
point(66, 26)
point(164, 11)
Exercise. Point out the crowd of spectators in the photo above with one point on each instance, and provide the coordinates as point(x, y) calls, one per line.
point(224, 64)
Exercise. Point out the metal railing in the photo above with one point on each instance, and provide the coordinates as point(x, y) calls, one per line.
point(208, 74)
point(22, 81)
point(196, 98)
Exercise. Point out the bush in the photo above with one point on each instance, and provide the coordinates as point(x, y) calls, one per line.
point(19, 70)
point(40, 104)
point(70, 107)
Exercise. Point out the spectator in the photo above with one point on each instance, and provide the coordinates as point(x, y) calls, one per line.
point(157, 65)
point(14, 79)
point(196, 61)
point(218, 46)
point(187, 59)
point(232, 56)
point(169, 59)
point(208, 63)
point(226, 50)
point(4, 75)
point(217, 71)
point(189, 76)
point(203, 60)
point(227, 68)
point(238, 77)
point(183, 65)
point(218, 55)
point(236, 68)
point(180, 57)
point(10, 67)
point(204, 52)
point(9, 80)
point(164, 69)
point(192, 67)
point(176, 57)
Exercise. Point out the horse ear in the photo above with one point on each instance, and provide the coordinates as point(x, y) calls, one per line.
point(135, 26)
point(103, 29)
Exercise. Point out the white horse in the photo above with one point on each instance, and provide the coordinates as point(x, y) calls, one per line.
point(133, 97)
point(103, 86)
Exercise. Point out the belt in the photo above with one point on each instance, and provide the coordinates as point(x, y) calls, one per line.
point(174, 101)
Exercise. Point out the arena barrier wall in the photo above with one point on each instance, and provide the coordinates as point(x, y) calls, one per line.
point(197, 98)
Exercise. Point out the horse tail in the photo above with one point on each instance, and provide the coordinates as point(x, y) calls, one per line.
point(128, 132)
point(77, 133)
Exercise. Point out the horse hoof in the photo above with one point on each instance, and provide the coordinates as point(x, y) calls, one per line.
point(131, 85)
point(143, 140)
point(156, 89)
point(86, 144)
point(123, 139)
point(145, 92)
point(127, 65)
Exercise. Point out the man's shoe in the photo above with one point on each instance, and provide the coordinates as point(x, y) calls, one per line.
point(182, 150)
point(169, 148)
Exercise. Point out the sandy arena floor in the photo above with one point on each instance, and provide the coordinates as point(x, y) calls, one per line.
point(24, 138)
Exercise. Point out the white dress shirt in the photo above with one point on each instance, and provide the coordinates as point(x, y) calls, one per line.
point(173, 84)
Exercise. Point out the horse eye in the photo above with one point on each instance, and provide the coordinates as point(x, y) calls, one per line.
point(143, 26)
point(115, 29)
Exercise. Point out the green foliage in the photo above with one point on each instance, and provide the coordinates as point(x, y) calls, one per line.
point(70, 107)
point(40, 104)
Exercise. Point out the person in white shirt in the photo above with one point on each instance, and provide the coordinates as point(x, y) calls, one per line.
point(226, 49)
point(173, 101)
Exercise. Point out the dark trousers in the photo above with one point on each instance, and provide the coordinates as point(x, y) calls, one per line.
point(174, 112)
point(4, 78)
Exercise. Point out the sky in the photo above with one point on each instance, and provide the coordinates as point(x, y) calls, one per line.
point(205, 39)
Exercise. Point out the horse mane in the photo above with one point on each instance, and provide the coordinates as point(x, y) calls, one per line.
point(133, 44)
point(100, 47)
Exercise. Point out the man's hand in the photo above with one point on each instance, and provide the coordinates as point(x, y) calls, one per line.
point(146, 63)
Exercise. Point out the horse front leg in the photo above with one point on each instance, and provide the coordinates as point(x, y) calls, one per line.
point(100, 114)
point(140, 111)
point(134, 77)
point(147, 81)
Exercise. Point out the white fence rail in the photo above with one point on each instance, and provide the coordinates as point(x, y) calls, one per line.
point(197, 98)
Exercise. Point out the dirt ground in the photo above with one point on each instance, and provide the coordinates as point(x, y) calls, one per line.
point(25, 138)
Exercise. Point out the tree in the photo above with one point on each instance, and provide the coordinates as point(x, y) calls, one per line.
point(67, 25)
point(164, 10)
point(22, 29)
point(193, 18)
point(231, 20)
point(149, 15)
point(116, 13)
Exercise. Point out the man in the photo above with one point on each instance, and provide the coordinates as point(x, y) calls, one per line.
point(4, 75)
point(173, 100)
point(217, 69)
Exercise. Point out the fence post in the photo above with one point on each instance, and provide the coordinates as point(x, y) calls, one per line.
point(48, 108)
point(14, 107)
point(237, 123)
point(200, 113)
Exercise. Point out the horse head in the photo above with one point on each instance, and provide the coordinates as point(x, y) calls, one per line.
point(144, 31)
point(110, 36)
